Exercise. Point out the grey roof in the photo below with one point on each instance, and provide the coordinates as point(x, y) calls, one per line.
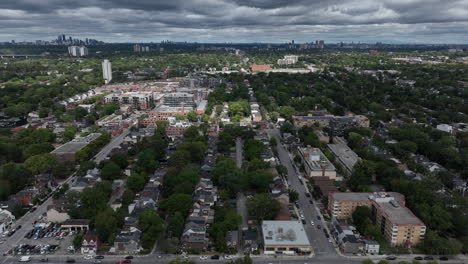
point(344, 154)
point(399, 215)
point(362, 196)
point(284, 233)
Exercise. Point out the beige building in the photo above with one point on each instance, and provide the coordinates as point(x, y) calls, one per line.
point(285, 237)
point(398, 224)
point(316, 163)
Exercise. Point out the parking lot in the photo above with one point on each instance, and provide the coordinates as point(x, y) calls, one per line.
point(45, 239)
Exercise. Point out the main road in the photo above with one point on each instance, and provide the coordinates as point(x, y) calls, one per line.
point(317, 238)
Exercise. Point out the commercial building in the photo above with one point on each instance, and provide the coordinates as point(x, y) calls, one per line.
point(77, 51)
point(316, 163)
point(344, 156)
point(396, 222)
point(67, 151)
point(285, 237)
point(107, 71)
point(164, 112)
point(288, 59)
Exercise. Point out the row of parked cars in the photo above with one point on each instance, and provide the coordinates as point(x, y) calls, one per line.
point(9, 233)
point(25, 249)
point(51, 231)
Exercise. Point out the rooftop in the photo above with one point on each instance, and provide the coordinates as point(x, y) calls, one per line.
point(364, 196)
point(344, 154)
point(399, 214)
point(284, 233)
point(76, 144)
point(316, 159)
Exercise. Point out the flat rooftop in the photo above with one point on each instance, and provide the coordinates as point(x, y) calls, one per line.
point(290, 233)
point(363, 196)
point(347, 156)
point(76, 144)
point(399, 214)
point(315, 159)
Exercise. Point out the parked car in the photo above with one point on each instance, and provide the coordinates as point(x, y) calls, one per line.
point(418, 258)
point(203, 257)
point(215, 257)
point(443, 258)
point(44, 259)
point(99, 257)
point(127, 261)
point(70, 260)
point(129, 257)
point(318, 217)
point(428, 258)
point(390, 258)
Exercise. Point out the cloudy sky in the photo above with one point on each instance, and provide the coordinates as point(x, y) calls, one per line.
point(274, 21)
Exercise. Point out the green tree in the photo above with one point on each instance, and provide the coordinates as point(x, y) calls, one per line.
point(293, 195)
point(136, 182)
point(151, 225)
point(192, 116)
point(253, 149)
point(110, 171)
point(287, 112)
point(106, 225)
point(36, 149)
point(362, 218)
point(40, 163)
point(177, 202)
point(176, 225)
point(263, 207)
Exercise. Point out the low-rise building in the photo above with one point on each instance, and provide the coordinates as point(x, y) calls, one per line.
point(128, 242)
point(89, 244)
point(6, 220)
point(344, 156)
point(286, 237)
point(371, 247)
point(67, 151)
point(316, 164)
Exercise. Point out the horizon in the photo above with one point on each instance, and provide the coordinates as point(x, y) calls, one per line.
point(239, 21)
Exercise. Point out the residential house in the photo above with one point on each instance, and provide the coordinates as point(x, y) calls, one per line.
point(371, 247)
point(6, 220)
point(89, 244)
point(128, 242)
point(250, 240)
point(195, 236)
point(232, 239)
point(11, 205)
point(25, 196)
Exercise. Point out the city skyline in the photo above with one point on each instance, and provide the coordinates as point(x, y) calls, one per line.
point(205, 21)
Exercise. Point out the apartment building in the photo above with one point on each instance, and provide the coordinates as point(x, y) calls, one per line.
point(139, 100)
point(397, 223)
point(179, 99)
point(316, 163)
point(288, 59)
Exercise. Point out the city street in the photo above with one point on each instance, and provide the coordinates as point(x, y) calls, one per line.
point(26, 220)
point(317, 238)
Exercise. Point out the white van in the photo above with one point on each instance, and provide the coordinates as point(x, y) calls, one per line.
point(25, 259)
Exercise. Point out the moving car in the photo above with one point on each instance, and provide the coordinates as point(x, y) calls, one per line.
point(99, 257)
point(443, 258)
point(215, 257)
point(129, 257)
point(428, 258)
point(390, 258)
point(418, 258)
point(44, 260)
point(25, 259)
point(203, 257)
point(127, 261)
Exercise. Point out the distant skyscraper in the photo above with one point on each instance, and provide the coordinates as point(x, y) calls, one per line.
point(136, 48)
point(107, 71)
point(292, 42)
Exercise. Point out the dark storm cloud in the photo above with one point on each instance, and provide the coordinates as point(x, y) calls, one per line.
point(237, 20)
